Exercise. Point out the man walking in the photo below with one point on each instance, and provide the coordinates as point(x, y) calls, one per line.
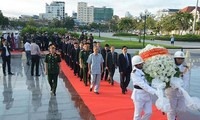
point(95, 68)
point(6, 57)
point(52, 68)
point(111, 63)
point(84, 54)
point(75, 56)
point(27, 47)
point(125, 68)
point(35, 58)
point(104, 53)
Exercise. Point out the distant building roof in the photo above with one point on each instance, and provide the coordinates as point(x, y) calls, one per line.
point(173, 10)
point(189, 9)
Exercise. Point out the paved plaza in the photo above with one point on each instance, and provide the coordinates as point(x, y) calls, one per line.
point(24, 97)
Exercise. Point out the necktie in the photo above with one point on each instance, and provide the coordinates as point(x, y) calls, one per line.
point(7, 53)
point(127, 61)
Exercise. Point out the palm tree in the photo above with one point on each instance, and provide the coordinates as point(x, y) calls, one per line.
point(167, 24)
point(183, 21)
point(125, 24)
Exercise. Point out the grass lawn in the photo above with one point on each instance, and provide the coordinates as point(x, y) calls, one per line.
point(130, 44)
point(147, 37)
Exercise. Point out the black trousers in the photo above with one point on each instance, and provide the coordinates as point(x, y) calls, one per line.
point(81, 73)
point(111, 72)
point(6, 60)
point(85, 75)
point(124, 80)
point(35, 59)
point(76, 67)
point(104, 74)
point(53, 79)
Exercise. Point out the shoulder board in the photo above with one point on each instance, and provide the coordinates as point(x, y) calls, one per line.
point(134, 71)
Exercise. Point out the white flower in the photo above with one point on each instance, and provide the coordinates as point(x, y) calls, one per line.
point(161, 67)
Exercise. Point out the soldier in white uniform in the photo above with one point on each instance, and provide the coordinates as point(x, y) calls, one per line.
point(142, 91)
point(179, 60)
point(176, 99)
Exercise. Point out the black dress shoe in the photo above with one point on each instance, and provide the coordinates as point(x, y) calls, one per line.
point(90, 89)
point(10, 73)
point(123, 92)
point(37, 75)
point(96, 93)
point(126, 90)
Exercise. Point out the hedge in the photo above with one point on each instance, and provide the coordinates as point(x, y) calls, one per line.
point(124, 34)
point(184, 38)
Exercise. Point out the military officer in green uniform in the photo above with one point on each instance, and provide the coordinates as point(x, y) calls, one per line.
point(52, 67)
point(84, 54)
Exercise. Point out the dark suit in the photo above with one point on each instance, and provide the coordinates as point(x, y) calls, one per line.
point(6, 59)
point(111, 63)
point(105, 72)
point(75, 58)
point(125, 69)
point(69, 52)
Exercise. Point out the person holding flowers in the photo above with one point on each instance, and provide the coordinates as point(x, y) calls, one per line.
point(141, 92)
point(168, 76)
point(175, 96)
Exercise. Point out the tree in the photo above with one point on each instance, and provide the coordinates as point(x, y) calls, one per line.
point(150, 23)
point(125, 24)
point(17, 23)
point(55, 23)
point(31, 22)
point(113, 23)
point(183, 20)
point(4, 22)
point(68, 23)
point(197, 27)
point(167, 23)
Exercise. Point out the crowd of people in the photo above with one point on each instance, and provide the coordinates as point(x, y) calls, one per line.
point(92, 63)
point(12, 39)
point(87, 58)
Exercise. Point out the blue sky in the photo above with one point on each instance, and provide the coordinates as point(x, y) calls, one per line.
point(15, 8)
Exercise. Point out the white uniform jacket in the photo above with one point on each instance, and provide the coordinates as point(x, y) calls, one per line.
point(138, 79)
point(185, 75)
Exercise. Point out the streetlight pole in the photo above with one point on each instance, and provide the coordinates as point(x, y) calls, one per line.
point(139, 22)
point(145, 17)
point(99, 33)
point(99, 30)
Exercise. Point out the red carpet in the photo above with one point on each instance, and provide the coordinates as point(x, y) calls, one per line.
point(110, 103)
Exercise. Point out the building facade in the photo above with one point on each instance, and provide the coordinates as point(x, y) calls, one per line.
point(102, 14)
point(91, 14)
point(56, 10)
point(165, 12)
point(82, 12)
point(192, 10)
